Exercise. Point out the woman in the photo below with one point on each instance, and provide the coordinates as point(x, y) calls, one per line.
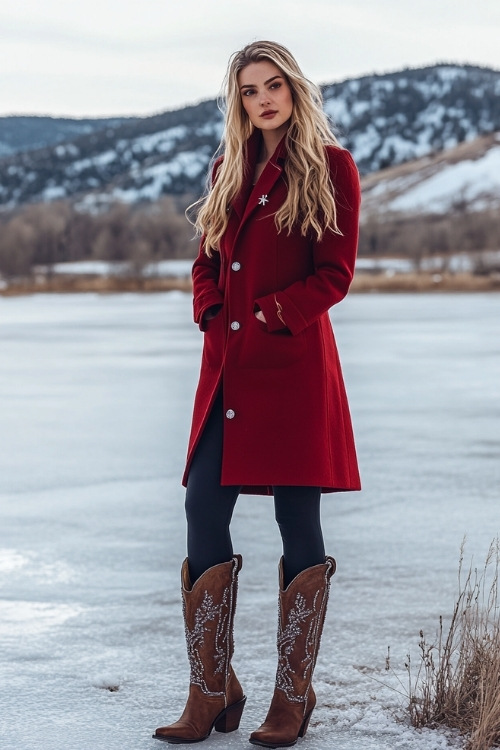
point(280, 230)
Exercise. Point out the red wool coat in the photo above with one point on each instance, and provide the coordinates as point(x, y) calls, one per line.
point(287, 419)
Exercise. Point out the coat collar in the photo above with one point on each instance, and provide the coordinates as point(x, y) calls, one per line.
point(249, 196)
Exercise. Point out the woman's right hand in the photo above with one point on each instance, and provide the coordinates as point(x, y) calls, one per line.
point(212, 312)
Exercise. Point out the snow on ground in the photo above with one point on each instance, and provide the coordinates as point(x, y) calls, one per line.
point(469, 180)
point(95, 403)
point(175, 268)
point(181, 268)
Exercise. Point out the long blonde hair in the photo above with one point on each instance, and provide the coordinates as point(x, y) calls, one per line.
point(309, 200)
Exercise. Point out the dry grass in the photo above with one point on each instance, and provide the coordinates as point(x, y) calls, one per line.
point(101, 284)
point(425, 282)
point(457, 681)
point(363, 283)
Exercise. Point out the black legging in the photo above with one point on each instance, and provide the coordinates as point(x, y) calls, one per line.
point(209, 509)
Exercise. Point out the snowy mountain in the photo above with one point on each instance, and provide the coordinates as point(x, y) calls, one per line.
point(24, 133)
point(385, 120)
point(138, 160)
point(464, 177)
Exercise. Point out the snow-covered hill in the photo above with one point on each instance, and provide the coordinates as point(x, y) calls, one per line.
point(385, 120)
point(467, 176)
point(24, 133)
point(139, 160)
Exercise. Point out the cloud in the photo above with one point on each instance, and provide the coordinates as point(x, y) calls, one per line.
point(137, 56)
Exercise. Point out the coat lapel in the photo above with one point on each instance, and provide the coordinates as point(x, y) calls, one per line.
point(257, 197)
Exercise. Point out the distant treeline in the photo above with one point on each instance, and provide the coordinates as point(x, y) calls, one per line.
point(48, 233)
point(424, 236)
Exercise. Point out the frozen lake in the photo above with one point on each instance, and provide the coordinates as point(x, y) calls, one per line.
point(95, 405)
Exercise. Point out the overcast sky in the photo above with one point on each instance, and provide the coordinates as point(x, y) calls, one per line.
point(128, 57)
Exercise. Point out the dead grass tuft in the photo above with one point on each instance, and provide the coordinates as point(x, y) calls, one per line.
point(457, 680)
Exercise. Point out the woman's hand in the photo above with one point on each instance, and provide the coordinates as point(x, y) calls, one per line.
point(212, 312)
point(260, 316)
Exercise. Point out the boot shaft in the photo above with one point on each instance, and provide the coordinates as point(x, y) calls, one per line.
point(209, 606)
point(301, 616)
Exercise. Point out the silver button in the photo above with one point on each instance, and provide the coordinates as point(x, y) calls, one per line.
point(230, 414)
point(236, 266)
point(235, 325)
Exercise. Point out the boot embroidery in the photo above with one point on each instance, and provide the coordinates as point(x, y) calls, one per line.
point(287, 637)
point(308, 660)
point(209, 616)
point(295, 683)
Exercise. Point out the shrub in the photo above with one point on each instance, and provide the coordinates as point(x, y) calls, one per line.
point(457, 683)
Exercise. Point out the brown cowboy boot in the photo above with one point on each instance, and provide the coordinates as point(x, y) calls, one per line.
point(215, 695)
point(302, 609)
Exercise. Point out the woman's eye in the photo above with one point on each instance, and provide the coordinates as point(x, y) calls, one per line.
point(247, 92)
point(275, 85)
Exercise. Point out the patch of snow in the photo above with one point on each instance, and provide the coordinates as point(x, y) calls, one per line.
point(398, 265)
point(467, 179)
point(386, 85)
point(163, 141)
point(359, 108)
point(367, 142)
point(339, 111)
point(215, 127)
point(53, 192)
point(432, 115)
point(66, 149)
point(175, 268)
point(451, 73)
point(100, 160)
point(88, 268)
point(192, 163)
point(160, 176)
point(398, 149)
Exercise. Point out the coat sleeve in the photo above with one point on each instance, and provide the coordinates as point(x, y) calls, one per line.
point(206, 292)
point(205, 274)
point(301, 303)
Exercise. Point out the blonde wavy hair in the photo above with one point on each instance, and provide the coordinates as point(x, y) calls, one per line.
point(309, 203)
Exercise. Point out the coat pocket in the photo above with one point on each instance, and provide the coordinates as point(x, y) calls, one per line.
point(213, 341)
point(261, 349)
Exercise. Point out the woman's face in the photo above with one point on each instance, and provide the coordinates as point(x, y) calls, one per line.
point(266, 96)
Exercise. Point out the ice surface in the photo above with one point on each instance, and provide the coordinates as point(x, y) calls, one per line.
point(95, 402)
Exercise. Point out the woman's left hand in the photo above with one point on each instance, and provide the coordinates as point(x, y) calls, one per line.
point(260, 316)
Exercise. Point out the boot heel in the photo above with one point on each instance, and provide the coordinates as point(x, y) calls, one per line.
point(305, 724)
point(229, 719)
